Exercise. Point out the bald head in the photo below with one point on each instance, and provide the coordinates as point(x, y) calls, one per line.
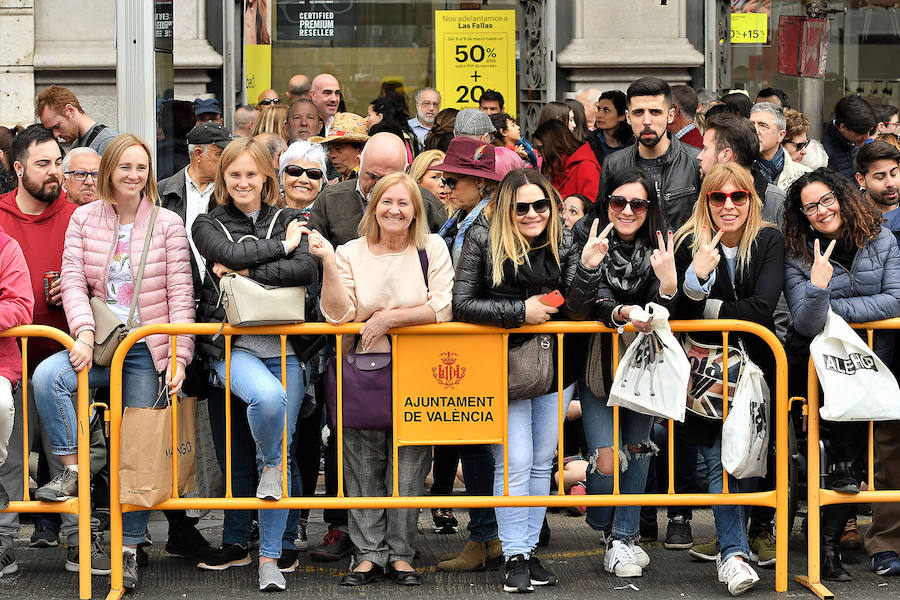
point(383, 154)
point(325, 93)
point(298, 87)
point(244, 118)
point(269, 94)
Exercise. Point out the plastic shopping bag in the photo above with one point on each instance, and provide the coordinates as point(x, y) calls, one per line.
point(652, 377)
point(745, 433)
point(858, 386)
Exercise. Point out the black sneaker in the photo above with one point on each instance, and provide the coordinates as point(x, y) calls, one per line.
point(842, 479)
point(517, 577)
point(539, 574)
point(229, 555)
point(678, 534)
point(186, 540)
point(141, 557)
point(649, 530)
point(544, 537)
point(289, 560)
point(253, 538)
point(129, 571)
point(335, 546)
point(444, 521)
point(302, 541)
point(8, 564)
point(44, 536)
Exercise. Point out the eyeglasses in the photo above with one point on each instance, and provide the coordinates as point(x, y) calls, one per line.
point(451, 182)
point(81, 174)
point(638, 205)
point(427, 104)
point(799, 145)
point(297, 171)
point(813, 207)
point(540, 207)
point(269, 101)
point(737, 197)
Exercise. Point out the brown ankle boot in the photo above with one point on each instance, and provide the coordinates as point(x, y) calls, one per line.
point(476, 556)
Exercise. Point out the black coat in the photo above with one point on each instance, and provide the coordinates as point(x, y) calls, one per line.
point(264, 258)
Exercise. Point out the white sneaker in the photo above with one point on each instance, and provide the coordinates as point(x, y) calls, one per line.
point(643, 559)
point(621, 560)
point(739, 575)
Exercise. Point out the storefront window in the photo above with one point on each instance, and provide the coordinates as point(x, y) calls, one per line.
point(862, 50)
point(363, 43)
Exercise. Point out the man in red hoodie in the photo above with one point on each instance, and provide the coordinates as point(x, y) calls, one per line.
point(36, 215)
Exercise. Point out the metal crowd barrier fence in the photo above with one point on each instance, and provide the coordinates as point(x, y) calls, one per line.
point(436, 358)
point(818, 496)
point(81, 505)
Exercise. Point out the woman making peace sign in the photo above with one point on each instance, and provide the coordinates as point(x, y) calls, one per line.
point(840, 257)
point(727, 223)
point(634, 263)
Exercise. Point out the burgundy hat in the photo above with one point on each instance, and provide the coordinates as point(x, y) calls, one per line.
point(467, 156)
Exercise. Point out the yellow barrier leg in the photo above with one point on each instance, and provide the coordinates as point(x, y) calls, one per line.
point(84, 489)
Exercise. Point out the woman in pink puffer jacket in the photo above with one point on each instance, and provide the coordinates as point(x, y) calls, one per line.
point(104, 245)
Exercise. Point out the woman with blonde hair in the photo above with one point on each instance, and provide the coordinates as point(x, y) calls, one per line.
point(510, 260)
point(273, 119)
point(247, 234)
point(106, 244)
point(431, 179)
point(727, 221)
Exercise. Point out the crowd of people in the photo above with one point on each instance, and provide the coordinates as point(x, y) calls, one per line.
point(725, 209)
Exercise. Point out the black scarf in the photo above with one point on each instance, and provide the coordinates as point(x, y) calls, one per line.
point(626, 264)
point(539, 274)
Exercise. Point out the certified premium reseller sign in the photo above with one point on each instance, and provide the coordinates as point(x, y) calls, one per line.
point(450, 389)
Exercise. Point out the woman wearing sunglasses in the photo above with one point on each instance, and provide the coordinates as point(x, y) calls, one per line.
point(639, 267)
point(303, 169)
point(838, 257)
point(730, 265)
point(470, 177)
point(510, 260)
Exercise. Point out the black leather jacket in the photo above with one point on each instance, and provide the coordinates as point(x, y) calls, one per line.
point(680, 177)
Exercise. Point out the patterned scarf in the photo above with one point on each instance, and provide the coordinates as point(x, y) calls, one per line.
point(771, 169)
point(626, 264)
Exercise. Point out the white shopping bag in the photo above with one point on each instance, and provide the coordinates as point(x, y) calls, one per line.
point(745, 433)
point(653, 376)
point(858, 386)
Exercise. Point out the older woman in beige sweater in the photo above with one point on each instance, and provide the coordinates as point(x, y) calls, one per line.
point(395, 274)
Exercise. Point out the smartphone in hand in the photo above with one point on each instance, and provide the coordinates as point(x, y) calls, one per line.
point(554, 299)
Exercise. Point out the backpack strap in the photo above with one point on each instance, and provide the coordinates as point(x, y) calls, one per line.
point(423, 260)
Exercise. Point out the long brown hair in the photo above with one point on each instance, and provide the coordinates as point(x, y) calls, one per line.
point(110, 159)
point(270, 193)
point(860, 223)
point(558, 144)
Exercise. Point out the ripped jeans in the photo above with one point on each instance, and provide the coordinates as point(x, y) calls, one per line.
point(634, 430)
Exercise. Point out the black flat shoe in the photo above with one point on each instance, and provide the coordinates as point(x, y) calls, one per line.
point(356, 578)
point(405, 577)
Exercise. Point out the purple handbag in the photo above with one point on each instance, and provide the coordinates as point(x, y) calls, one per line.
point(367, 386)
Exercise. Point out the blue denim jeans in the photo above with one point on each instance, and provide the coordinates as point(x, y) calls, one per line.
point(634, 430)
point(257, 381)
point(478, 471)
point(533, 430)
point(55, 383)
point(731, 520)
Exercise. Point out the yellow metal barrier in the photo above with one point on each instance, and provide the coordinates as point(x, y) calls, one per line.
point(818, 496)
point(81, 505)
point(777, 498)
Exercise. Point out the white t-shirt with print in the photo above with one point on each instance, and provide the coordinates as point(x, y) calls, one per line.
point(119, 284)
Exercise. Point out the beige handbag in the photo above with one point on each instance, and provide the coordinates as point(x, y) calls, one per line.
point(530, 367)
point(247, 302)
point(109, 330)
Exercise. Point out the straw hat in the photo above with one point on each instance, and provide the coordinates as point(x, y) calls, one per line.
point(346, 127)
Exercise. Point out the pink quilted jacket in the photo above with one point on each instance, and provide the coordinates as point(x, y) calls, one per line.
point(167, 291)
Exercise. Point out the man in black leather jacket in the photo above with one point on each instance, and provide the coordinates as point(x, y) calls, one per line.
point(670, 163)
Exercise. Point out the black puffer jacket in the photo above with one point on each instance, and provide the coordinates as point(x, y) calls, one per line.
point(264, 258)
point(477, 300)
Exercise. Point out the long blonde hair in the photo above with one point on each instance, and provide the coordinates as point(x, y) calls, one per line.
point(720, 175)
point(272, 119)
point(507, 243)
point(110, 159)
point(418, 229)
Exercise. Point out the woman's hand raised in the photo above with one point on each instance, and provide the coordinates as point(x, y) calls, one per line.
point(318, 245)
point(706, 258)
point(596, 247)
point(663, 262)
point(821, 271)
point(294, 234)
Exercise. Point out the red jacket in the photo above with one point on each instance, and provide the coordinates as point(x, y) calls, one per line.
point(41, 238)
point(581, 175)
point(693, 137)
point(16, 304)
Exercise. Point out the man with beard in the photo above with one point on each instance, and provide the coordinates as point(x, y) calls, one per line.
point(878, 175)
point(326, 95)
point(79, 169)
point(669, 162)
point(36, 215)
point(428, 104)
point(59, 111)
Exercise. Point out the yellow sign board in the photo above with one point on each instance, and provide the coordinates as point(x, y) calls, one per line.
point(257, 70)
point(749, 28)
point(475, 50)
point(450, 389)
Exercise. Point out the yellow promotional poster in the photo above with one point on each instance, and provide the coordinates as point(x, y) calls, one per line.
point(450, 389)
point(749, 28)
point(257, 48)
point(475, 50)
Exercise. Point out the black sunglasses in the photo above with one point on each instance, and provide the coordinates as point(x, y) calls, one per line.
point(269, 101)
point(737, 197)
point(297, 171)
point(540, 206)
point(638, 205)
point(799, 145)
point(451, 182)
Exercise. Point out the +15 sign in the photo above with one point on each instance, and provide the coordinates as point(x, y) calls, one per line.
point(475, 50)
